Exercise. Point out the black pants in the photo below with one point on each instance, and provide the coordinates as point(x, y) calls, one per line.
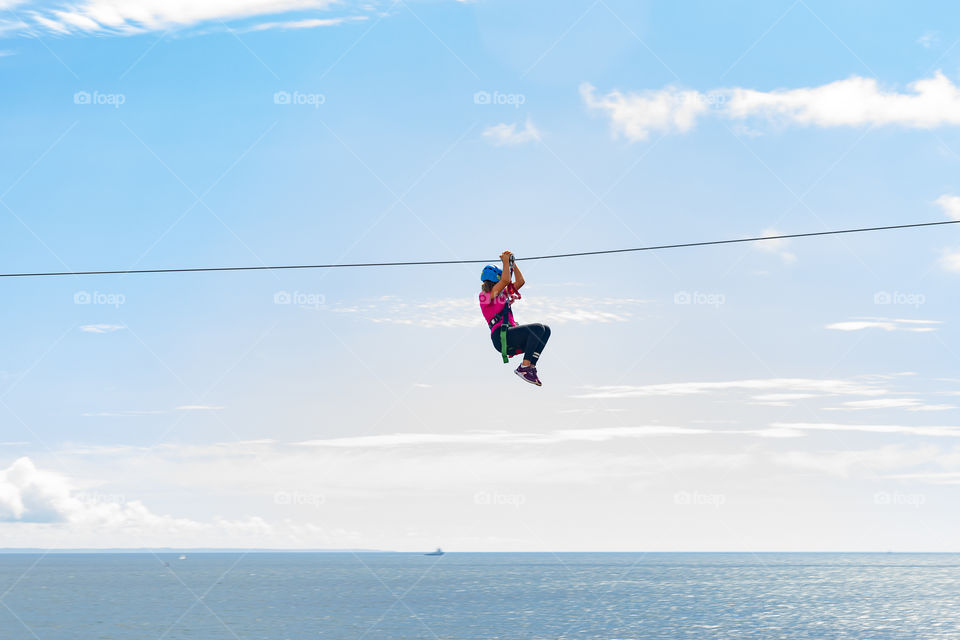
point(529, 338)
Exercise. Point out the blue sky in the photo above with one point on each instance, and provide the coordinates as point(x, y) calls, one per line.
point(795, 396)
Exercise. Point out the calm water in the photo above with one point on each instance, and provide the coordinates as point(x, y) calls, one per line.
point(479, 596)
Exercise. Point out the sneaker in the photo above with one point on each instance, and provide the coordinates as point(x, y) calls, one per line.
point(529, 374)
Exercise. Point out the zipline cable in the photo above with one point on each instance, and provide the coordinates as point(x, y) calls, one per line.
point(439, 262)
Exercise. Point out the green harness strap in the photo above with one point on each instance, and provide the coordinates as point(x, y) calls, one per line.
point(505, 324)
point(503, 341)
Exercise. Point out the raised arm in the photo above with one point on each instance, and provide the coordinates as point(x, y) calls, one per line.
point(504, 277)
point(518, 280)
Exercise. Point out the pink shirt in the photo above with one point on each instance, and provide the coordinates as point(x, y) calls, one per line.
point(492, 306)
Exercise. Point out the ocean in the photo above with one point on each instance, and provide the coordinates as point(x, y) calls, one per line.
point(474, 596)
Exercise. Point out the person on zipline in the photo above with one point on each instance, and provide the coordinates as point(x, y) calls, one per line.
point(529, 339)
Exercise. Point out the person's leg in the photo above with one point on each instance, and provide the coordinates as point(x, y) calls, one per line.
point(537, 336)
point(517, 339)
point(530, 338)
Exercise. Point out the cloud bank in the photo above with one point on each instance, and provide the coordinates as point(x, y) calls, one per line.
point(789, 388)
point(886, 324)
point(47, 502)
point(465, 312)
point(130, 17)
point(928, 103)
point(872, 393)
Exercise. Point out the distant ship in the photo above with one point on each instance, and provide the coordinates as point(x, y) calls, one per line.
point(438, 552)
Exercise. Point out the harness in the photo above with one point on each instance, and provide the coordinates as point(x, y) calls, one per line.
point(503, 317)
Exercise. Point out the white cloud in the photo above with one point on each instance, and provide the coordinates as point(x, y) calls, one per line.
point(31, 495)
point(933, 407)
point(120, 414)
point(635, 115)
point(508, 135)
point(869, 392)
point(102, 328)
point(465, 312)
point(776, 247)
point(911, 404)
point(782, 397)
point(502, 437)
point(50, 504)
point(882, 403)
point(806, 386)
point(933, 477)
point(933, 431)
point(856, 101)
point(277, 495)
point(929, 39)
point(377, 492)
point(304, 24)
point(843, 463)
point(950, 205)
point(126, 413)
point(928, 103)
point(560, 436)
point(138, 16)
point(950, 261)
point(887, 324)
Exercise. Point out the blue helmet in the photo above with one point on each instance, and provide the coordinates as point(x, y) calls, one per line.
point(491, 274)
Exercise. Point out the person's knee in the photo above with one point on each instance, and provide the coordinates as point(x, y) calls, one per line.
point(542, 333)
